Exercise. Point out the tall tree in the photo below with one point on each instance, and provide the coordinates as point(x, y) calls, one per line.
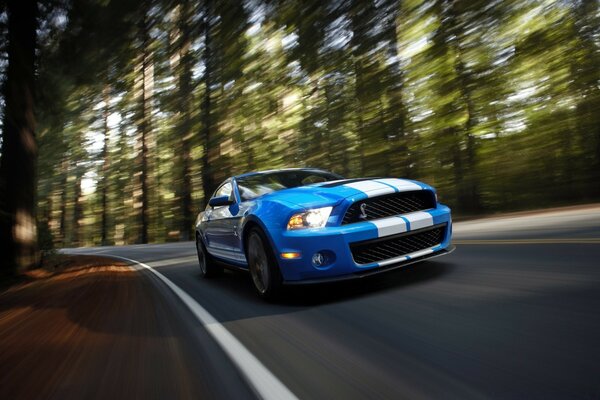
point(105, 167)
point(457, 20)
point(183, 62)
point(586, 82)
point(207, 135)
point(454, 110)
point(443, 91)
point(18, 238)
point(369, 87)
point(395, 111)
point(144, 92)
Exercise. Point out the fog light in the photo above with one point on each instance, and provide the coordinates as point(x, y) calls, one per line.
point(318, 259)
point(290, 255)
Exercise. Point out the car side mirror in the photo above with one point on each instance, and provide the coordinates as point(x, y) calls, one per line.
point(220, 201)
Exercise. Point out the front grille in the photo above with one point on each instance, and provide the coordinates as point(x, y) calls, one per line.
point(389, 205)
point(375, 250)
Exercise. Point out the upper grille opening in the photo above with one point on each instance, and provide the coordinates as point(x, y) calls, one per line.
point(389, 205)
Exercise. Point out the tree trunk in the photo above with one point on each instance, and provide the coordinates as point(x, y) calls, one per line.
point(362, 17)
point(144, 95)
point(208, 184)
point(399, 113)
point(184, 69)
point(18, 236)
point(587, 76)
point(63, 202)
point(77, 208)
point(469, 184)
point(105, 170)
point(457, 79)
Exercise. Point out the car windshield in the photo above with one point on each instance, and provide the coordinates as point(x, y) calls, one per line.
point(253, 186)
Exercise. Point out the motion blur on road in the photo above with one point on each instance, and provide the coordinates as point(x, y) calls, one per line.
point(512, 313)
point(119, 119)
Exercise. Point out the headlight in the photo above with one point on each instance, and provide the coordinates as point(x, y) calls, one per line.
point(316, 218)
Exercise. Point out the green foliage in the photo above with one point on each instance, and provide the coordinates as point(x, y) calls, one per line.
point(494, 103)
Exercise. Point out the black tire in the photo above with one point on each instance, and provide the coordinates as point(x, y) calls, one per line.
point(208, 267)
point(266, 277)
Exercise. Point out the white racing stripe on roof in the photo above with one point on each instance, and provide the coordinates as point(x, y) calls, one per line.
point(400, 184)
point(371, 188)
point(419, 219)
point(389, 226)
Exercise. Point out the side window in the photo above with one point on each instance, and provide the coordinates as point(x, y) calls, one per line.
point(224, 190)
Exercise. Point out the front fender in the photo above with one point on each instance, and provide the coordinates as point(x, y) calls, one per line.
point(253, 220)
point(270, 216)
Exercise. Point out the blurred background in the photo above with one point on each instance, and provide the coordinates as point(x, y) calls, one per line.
point(143, 107)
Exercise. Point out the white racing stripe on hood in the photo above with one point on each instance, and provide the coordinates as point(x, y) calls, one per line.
point(371, 188)
point(419, 219)
point(389, 226)
point(400, 184)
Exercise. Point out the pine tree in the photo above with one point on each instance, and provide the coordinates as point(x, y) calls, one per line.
point(18, 238)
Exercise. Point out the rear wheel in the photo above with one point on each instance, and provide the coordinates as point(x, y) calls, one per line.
point(263, 267)
point(208, 269)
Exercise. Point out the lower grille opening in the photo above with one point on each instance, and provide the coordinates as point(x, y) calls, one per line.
point(381, 249)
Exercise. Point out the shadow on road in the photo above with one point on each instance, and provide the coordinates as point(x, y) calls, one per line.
point(334, 292)
point(237, 299)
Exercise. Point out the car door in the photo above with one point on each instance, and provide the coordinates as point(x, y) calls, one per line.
point(221, 231)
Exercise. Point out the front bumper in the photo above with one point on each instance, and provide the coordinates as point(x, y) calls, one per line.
point(334, 243)
point(373, 271)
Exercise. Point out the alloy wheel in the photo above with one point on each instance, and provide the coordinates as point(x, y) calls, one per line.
point(201, 255)
point(259, 264)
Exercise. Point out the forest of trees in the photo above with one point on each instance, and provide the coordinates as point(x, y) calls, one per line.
point(119, 117)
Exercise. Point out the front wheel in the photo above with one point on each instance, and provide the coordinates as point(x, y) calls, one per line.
point(208, 269)
point(263, 267)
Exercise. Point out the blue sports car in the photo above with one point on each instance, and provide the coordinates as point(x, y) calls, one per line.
point(297, 226)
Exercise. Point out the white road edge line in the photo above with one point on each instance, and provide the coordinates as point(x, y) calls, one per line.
point(261, 380)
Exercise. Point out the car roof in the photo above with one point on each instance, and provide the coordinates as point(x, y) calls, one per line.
point(279, 170)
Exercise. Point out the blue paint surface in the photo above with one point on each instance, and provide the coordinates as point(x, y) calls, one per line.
point(223, 229)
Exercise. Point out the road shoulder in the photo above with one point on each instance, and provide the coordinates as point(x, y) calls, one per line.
point(98, 328)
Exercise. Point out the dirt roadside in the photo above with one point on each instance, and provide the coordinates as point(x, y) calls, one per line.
point(95, 328)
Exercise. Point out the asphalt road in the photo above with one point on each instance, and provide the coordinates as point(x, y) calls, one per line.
point(514, 312)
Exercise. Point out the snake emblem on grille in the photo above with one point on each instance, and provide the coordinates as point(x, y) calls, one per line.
point(363, 211)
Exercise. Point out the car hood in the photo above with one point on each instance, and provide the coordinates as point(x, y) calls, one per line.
point(332, 193)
